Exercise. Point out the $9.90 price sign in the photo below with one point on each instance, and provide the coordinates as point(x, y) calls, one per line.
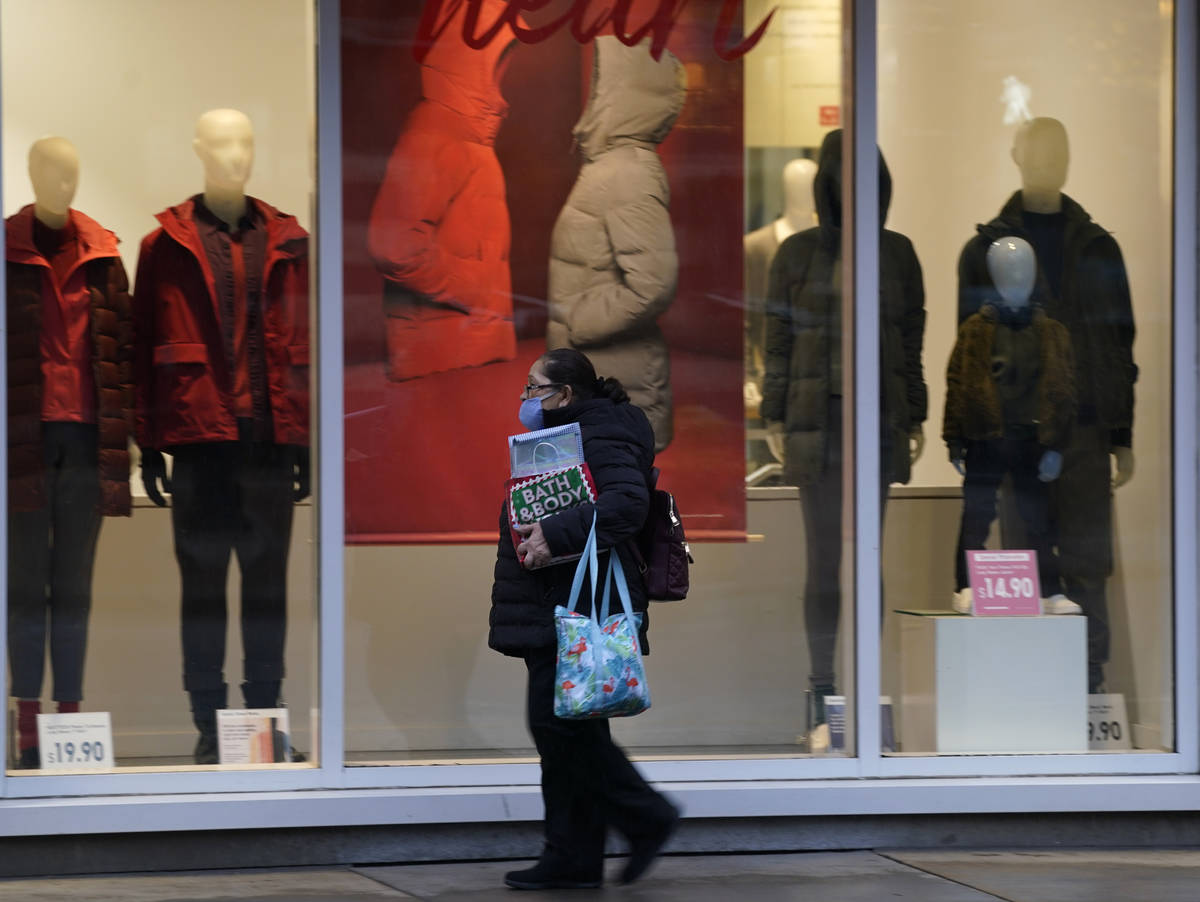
point(1004, 583)
point(75, 741)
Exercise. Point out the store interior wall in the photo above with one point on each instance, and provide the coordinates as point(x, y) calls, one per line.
point(125, 81)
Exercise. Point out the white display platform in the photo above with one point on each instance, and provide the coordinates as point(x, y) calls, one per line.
point(987, 685)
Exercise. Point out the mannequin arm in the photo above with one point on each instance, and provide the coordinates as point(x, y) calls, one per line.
point(777, 348)
point(1124, 461)
point(647, 279)
point(776, 439)
point(913, 335)
point(916, 444)
point(154, 473)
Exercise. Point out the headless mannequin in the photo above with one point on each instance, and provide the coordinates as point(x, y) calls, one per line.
point(1042, 154)
point(799, 212)
point(1012, 264)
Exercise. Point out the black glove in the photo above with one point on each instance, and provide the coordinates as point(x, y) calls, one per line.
point(154, 471)
point(302, 478)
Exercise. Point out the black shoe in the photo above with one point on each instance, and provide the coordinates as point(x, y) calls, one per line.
point(298, 757)
point(644, 849)
point(546, 876)
point(206, 750)
point(30, 759)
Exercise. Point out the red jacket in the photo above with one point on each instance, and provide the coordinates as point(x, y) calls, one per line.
point(439, 230)
point(99, 275)
point(183, 382)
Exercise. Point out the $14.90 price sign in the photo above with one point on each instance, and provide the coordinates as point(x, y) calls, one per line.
point(75, 741)
point(1004, 583)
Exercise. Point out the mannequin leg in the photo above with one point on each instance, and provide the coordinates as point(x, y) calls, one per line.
point(1082, 509)
point(76, 529)
point(262, 545)
point(28, 579)
point(984, 470)
point(822, 505)
point(203, 514)
point(1032, 498)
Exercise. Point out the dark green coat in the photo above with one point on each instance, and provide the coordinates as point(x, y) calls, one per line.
point(804, 326)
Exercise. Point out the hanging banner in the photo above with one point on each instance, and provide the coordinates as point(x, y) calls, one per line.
point(468, 252)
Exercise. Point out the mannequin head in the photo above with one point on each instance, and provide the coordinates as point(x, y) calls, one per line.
point(798, 207)
point(1013, 267)
point(1041, 153)
point(224, 143)
point(54, 172)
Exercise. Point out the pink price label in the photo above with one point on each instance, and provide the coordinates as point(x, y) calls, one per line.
point(1004, 583)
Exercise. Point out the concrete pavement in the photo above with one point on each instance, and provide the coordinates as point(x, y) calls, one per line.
point(921, 876)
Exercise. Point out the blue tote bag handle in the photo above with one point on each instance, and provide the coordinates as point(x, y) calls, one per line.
point(589, 561)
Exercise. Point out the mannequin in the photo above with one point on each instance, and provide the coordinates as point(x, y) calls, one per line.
point(69, 406)
point(1087, 290)
point(1009, 404)
point(802, 386)
point(759, 249)
point(221, 308)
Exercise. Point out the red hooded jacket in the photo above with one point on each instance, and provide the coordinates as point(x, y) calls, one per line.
point(99, 275)
point(183, 382)
point(439, 230)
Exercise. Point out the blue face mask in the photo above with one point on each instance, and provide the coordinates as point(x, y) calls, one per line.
point(531, 414)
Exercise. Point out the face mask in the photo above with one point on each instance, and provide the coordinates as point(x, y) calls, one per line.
point(530, 414)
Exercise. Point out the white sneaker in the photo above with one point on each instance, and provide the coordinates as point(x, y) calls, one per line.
point(961, 601)
point(1060, 604)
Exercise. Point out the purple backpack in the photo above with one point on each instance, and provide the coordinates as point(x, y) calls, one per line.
point(663, 547)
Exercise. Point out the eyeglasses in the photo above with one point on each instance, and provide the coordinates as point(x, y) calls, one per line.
point(531, 387)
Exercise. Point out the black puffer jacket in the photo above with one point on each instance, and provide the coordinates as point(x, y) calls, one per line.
point(1094, 305)
point(804, 329)
point(618, 445)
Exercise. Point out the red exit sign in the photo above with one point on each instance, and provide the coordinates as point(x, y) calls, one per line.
point(830, 115)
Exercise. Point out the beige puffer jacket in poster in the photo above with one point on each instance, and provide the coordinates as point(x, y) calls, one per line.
point(613, 266)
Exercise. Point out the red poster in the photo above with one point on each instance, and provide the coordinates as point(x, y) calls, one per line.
point(455, 172)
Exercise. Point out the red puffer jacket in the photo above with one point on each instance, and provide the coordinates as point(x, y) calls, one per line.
point(183, 381)
point(439, 230)
point(98, 272)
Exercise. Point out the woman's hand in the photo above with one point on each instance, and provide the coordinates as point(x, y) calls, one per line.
point(533, 551)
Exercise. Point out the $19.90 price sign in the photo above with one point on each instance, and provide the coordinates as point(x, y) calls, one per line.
point(1004, 583)
point(75, 741)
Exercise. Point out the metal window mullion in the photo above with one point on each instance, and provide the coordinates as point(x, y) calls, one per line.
point(331, 543)
point(1185, 384)
point(864, 225)
point(4, 503)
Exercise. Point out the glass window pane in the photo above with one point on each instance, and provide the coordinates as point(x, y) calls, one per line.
point(182, 351)
point(504, 198)
point(1030, 150)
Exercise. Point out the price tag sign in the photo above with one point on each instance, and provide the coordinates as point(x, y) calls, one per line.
point(253, 736)
point(1004, 583)
point(1108, 725)
point(75, 741)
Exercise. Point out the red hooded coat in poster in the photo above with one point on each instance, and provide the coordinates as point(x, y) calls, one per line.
point(456, 171)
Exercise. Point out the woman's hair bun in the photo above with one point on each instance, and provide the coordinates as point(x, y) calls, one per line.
point(611, 389)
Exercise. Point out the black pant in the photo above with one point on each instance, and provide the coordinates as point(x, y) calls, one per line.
point(821, 502)
point(233, 497)
point(51, 552)
point(587, 782)
point(1081, 520)
point(987, 462)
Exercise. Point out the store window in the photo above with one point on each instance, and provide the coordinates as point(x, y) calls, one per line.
point(572, 189)
point(1030, 155)
point(159, 189)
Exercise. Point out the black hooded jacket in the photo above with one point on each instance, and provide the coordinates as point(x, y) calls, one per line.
point(1093, 303)
point(804, 329)
point(618, 445)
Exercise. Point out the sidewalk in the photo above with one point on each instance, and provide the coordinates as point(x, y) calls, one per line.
point(920, 876)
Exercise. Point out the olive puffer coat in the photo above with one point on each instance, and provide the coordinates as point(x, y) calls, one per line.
point(804, 332)
point(613, 266)
point(618, 447)
point(974, 409)
point(439, 231)
point(100, 273)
